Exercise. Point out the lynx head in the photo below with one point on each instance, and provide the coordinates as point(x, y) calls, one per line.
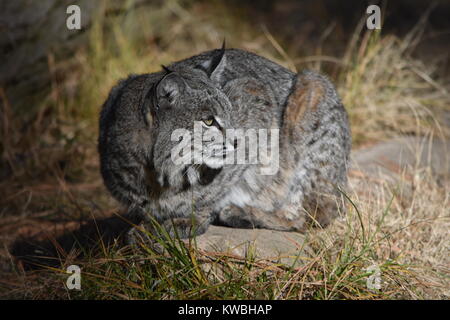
point(189, 115)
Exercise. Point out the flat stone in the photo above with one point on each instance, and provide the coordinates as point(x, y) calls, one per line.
point(276, 246)
point(397, 157)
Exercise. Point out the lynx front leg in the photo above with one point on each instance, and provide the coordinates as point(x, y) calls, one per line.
point(178, 227)
point(187, 227)
point(182, 227)
point(289, 218)
point(235, 217)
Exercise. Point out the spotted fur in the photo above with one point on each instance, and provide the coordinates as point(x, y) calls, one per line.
point(240, 90)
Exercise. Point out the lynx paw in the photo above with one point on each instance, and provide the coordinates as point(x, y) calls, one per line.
point(235, 217)
point(137, 235)
point(185, 227)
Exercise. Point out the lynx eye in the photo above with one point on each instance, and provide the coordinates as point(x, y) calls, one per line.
point(209, 122)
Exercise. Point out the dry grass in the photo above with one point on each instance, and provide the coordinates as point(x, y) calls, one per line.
point(401, 229)
point(389, 92)
point(52, 177)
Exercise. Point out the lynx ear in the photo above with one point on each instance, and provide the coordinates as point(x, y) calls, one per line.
point(215, 65)
point(169, 89)
point(161, 95)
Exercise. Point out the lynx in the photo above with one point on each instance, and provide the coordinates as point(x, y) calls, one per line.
point(225, 89)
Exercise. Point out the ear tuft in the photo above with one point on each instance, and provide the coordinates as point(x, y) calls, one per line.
point(215, 65)
point(166, 69)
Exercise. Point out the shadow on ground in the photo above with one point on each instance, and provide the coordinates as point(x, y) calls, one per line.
point(33, 253)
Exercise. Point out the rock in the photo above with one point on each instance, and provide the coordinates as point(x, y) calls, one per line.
point(395, 157)
point(269, 245)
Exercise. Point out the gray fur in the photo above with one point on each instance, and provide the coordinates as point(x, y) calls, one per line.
point(245, 91)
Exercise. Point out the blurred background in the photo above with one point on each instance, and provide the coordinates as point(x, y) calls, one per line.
point(53, 81)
